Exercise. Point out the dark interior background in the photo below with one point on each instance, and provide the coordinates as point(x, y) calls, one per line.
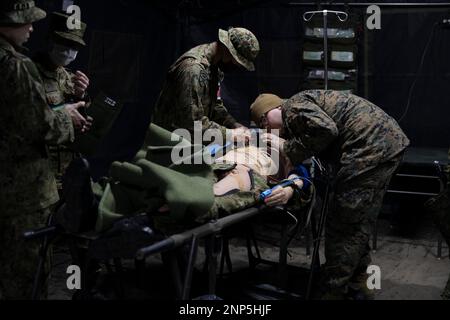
point(131, 44)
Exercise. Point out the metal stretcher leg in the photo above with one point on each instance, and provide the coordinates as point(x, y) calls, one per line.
point(120, 290)
point(375, 238)
point(226, 258)
point(251, 242)
point(214, 244)
point(308, 241)
point(190, 269)
point(439, 248)
point(182, 286)
point(39, 278)
point(170, 259)
point(282, 266)
point(315, 262)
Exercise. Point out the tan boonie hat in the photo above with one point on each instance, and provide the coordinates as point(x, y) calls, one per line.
point(19, 12)
point(59, 29)
point(242, 44)
point(263, 104)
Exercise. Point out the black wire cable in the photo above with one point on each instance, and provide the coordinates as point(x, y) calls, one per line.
point(422, 60)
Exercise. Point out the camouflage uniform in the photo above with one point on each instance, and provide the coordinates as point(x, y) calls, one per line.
point(446, 228)
point(58, 83)
point(364, 145)
point(439, 208)
point(27, 125)
point(190, 90)
point(235, 201)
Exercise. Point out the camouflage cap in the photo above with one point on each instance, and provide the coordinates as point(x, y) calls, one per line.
point(60, 30)
point(263, 104)
point(242, 44)
point(20, 12)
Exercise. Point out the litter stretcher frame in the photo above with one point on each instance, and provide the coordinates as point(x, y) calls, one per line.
point(210, 231)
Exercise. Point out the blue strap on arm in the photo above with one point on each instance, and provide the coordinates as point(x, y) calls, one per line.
point(284, 184)
point(303, 173)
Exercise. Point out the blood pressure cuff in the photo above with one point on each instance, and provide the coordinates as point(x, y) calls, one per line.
point(302, 172)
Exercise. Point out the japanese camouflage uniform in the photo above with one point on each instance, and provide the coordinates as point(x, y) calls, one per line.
point(58, 82)
point(27, 184)
point(190, 90)
point(440, 210)
point(364, 146)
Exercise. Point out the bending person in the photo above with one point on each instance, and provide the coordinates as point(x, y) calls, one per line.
point(364, 146)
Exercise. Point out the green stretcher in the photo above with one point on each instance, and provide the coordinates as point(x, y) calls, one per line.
point(136, 190)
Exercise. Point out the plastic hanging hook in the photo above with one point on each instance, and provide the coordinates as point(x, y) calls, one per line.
point(342, 16)
point(307, 16)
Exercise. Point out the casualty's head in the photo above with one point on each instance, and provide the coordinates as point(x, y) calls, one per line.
point(66, 38)
point(242, 48)
point(266, 111)
point(16, 19)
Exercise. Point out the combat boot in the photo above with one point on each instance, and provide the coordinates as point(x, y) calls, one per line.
point(323, 292)
point(357, 288)
point(446, 294)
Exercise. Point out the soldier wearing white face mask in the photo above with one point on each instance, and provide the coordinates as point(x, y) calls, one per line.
point(61, 85)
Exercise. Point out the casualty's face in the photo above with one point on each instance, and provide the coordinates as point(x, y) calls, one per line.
point(18, 35)
point(62, 55)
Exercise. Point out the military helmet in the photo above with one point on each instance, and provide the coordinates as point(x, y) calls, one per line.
point(263, 104)
point(242, 44)
point(19, 12)
point(60, 30)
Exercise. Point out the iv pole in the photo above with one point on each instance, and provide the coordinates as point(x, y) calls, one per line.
point(342, 16)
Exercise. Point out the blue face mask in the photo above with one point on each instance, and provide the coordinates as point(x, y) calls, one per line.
point(62, 55)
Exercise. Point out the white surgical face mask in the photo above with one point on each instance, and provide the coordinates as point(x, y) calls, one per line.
point(62, 55)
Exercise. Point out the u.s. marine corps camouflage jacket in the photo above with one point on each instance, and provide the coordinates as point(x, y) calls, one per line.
point(27, 125)
point(190, 94)
point(348, 131)
point(58, 83)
